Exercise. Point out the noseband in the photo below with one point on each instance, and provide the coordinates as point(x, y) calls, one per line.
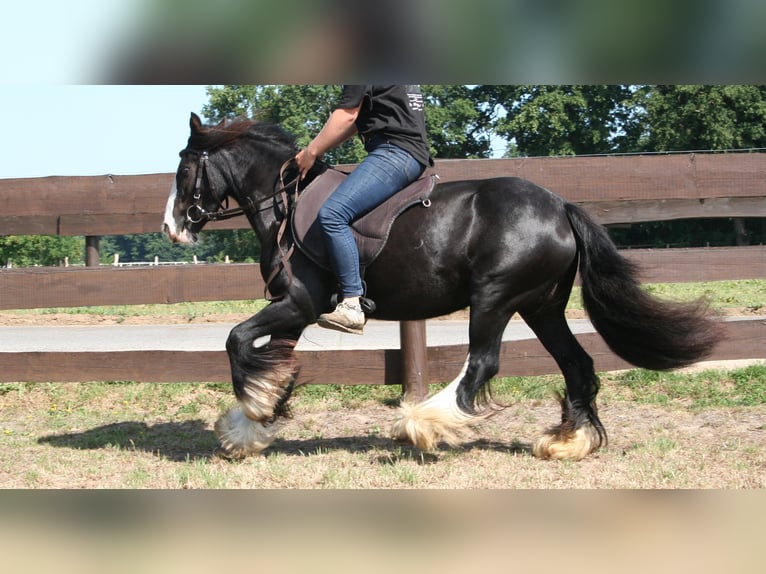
point(197, 214)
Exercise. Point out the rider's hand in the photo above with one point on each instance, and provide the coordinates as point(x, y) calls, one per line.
point(305, 160)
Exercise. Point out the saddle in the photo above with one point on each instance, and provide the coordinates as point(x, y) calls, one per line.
point(370, 231)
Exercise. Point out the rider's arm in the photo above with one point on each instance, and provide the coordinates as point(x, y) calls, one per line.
point(339, 127)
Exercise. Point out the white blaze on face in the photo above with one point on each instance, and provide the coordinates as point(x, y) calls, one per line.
point(173, 226)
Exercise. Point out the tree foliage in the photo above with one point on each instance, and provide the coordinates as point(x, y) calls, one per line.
point(704, 117)
point(564, 120)
point(239, 245)
point(457, 122)
point(578, 120)
point(28, 250)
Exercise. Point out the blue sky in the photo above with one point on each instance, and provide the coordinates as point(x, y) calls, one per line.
point(53, 42)
point(95, 130)
point(55, 123)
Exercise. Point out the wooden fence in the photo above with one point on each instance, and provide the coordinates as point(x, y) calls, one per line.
point(619, 189)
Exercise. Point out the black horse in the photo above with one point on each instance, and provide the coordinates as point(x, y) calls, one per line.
point(499, 246)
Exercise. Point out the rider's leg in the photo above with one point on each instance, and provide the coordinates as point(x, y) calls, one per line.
point(386, 170)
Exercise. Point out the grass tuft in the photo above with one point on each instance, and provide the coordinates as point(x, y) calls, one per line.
point(696, 391)
point(705, 389)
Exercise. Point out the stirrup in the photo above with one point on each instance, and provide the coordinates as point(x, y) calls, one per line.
point(368, 305)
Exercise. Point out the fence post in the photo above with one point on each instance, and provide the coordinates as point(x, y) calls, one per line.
point(92, 258)
point(414, 353)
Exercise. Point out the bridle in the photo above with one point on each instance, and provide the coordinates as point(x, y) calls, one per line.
point(195, 213)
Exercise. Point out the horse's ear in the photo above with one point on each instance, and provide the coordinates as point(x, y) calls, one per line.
point(195, 123)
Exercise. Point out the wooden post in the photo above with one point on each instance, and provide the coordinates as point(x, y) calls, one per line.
point(92, 258)
point(414, 353)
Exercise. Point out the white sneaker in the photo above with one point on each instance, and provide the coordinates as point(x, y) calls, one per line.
point(347, 317)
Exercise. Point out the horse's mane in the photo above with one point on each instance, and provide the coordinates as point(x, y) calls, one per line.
point(230, 130)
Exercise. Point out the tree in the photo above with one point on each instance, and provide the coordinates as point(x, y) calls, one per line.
point(28, 250)
point(564, 120)
point(457, 122)
point(240, 245)
point(681, 118)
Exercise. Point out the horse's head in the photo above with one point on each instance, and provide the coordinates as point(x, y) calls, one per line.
point(198, 188)
point(240, 159)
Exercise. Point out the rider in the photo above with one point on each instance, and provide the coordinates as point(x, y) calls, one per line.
point(391, 123)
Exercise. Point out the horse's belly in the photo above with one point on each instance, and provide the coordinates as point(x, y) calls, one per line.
point(415, 290)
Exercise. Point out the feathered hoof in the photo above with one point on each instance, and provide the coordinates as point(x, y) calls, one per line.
point(241, 437)
point(573, 445)
point(425, 426)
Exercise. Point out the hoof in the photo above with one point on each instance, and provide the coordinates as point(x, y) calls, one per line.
point(568, 445)
point(241, 436)
point(426, 425)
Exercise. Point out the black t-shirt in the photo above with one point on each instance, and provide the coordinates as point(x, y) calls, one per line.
point(394, 112)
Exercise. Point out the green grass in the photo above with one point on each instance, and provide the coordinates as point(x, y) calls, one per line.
point(334, 397)
point(140, 435)
point(189, 309)
point(743, 293)
point(709, 388)
point(509, 389)
point(706, 389)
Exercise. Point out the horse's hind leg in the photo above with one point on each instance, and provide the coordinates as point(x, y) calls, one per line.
point(580, 431)
point(447, 415)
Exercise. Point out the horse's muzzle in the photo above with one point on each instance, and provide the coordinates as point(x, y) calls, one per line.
point(178, 235)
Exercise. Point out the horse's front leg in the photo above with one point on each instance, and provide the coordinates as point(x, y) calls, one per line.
point(263, 375)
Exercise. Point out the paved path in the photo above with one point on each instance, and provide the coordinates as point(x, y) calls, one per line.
point(212, 337)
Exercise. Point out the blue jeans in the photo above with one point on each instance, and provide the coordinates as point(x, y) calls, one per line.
point(386, 170)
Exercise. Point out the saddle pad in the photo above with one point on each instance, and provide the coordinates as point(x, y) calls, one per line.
point(370, 231)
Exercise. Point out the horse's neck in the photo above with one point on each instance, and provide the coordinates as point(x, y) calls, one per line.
point(260, 178)
point(255, 181)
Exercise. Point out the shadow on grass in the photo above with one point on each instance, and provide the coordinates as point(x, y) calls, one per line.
point(392, 451)
point(389, 451)
point(192, 440)
point(176, 441)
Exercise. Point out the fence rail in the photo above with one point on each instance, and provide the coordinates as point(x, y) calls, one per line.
point(613, 189)
point(616, 189)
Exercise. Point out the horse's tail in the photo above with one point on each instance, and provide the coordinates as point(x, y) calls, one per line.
point(643, 330)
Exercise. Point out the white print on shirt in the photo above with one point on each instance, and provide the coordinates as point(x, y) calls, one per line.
point(416, 102)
